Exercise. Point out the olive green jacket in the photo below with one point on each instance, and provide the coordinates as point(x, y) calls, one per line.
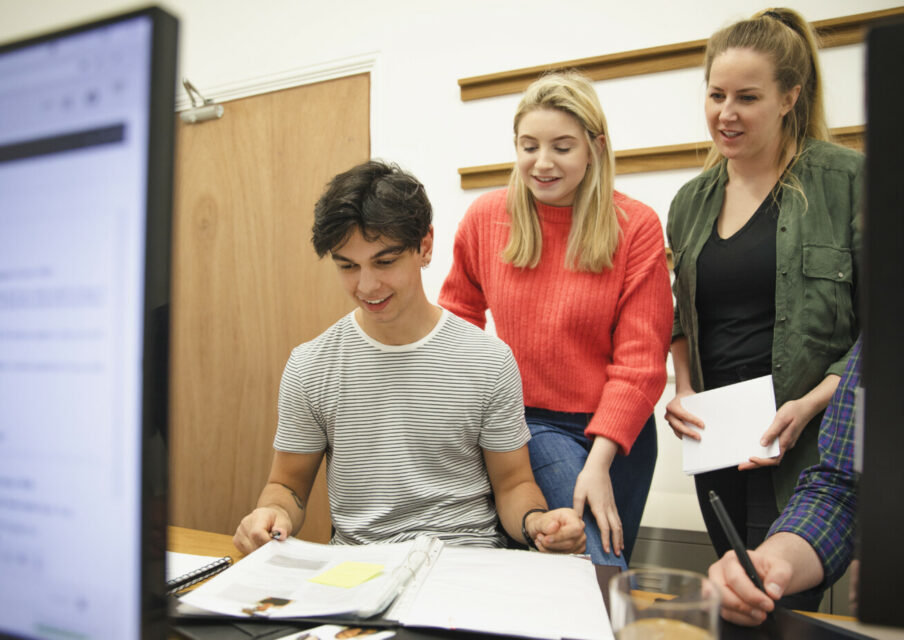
point(817, 253)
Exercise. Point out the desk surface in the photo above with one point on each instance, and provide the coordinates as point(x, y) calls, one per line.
point(202, 543)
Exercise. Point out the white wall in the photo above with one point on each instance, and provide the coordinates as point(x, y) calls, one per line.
point(421, 48)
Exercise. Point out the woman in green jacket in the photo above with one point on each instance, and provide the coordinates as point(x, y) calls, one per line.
point(765, 244)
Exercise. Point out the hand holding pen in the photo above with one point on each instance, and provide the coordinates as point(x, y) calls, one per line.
point(260, 527)
point(745, 599)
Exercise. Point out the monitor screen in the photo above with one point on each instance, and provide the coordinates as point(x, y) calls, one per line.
point(86, 155)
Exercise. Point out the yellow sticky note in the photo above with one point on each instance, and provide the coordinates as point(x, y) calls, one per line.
point(348, 574)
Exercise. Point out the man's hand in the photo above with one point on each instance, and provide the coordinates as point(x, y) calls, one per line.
point(742, 602)
point(557, 531)
point(281, 505)
point(260, 526)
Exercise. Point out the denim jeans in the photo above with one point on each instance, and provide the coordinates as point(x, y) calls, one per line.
point(558, 450)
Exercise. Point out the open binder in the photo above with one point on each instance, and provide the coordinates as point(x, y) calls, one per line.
point(421, 583)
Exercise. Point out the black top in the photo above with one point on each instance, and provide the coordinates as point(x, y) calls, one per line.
point(736, 298)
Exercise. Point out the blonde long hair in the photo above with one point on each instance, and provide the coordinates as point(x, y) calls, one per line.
point(789, 42)
point(595, 231)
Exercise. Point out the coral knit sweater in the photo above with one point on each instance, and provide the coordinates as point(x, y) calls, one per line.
point(584, 342)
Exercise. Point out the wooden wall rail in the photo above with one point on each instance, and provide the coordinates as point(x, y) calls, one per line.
point(832, 32)
point(676, 156)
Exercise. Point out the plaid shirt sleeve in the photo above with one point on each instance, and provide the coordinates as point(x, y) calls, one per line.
point(824, 503)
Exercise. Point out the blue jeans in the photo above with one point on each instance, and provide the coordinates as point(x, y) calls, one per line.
point(558, 450)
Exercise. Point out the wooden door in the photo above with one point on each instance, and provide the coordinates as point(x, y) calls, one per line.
point(248, 287)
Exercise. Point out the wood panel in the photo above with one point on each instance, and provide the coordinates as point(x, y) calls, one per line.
point(832, 32)
point(247, 287)
point(677, 156)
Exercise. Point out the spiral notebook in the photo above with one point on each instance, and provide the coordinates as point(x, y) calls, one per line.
point(185, 569)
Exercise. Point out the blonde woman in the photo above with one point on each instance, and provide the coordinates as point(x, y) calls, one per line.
point(766, 242)
point(575, 277)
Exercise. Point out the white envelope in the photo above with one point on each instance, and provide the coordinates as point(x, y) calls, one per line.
point(735, 417)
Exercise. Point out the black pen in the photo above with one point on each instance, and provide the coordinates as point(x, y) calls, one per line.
point(735, 541)
point(741, 552)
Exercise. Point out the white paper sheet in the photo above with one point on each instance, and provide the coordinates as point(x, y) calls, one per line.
point(523, 593)
point(735, 418)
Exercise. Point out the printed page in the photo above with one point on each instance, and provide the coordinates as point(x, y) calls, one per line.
point(293, 578)
point(735, 417)
point(505, 591)
point(338, 632)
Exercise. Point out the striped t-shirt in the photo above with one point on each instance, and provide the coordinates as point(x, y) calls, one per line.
point(404, 428)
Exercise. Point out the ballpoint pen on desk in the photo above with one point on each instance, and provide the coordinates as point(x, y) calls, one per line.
point(735, 541)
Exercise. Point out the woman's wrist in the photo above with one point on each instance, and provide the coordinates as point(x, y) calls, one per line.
point(820, 396)
point(602, 452)
point(684, 389)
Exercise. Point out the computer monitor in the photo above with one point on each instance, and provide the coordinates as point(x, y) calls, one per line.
point(881, 515)
point(86, 171)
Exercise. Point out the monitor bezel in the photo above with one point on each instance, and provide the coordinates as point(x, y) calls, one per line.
point(879, 517)
point(155, 340)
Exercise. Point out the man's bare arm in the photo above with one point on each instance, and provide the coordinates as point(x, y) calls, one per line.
point(516, 493)
point(280, 508)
